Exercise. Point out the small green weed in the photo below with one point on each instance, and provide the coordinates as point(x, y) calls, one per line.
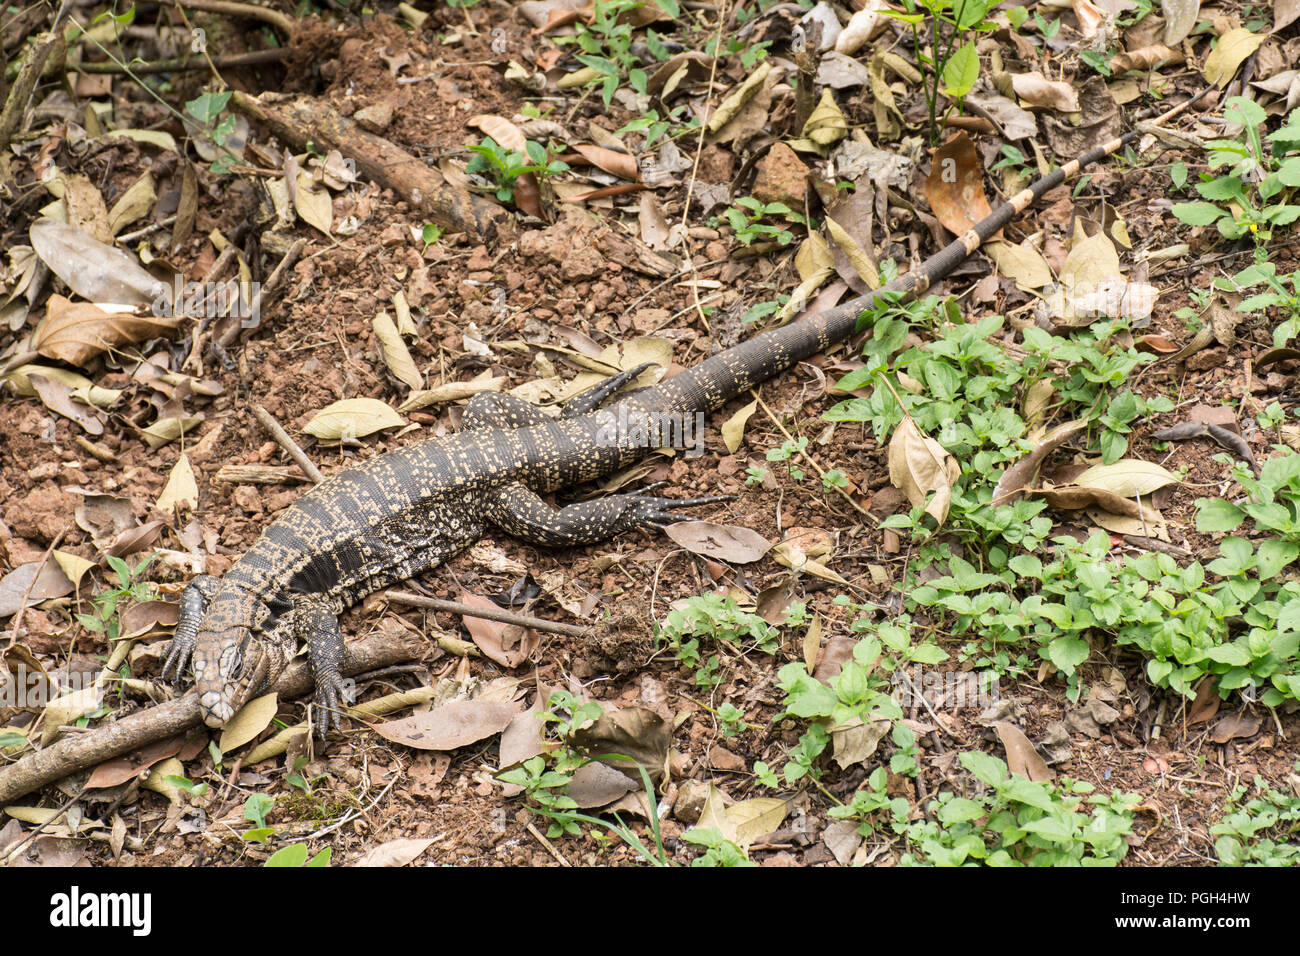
point(1264, 831)
point(106, 618)
point(503, 166)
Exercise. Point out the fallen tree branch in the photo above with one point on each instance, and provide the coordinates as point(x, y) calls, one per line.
point(298, 120)
point(249, 11)
point(75, 753)
point(181, 63)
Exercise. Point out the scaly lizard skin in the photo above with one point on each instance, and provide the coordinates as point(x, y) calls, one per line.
point(411, 509)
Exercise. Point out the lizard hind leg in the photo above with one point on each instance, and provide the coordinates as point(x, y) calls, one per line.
point(518, 510)
point(316, 623)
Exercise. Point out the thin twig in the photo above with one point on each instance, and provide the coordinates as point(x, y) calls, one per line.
point(146, 230)
point(249, 11)
point(487, 614)
point(273, 280)
point(288, 444)
point(547, 845)
point(183, 63)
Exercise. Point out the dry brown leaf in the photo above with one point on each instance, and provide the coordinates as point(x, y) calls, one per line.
point(1019, 475)
point(182, 489)
point(50, 583)
point(122, 769)
point(57, 397)
point(395, 353)
point(633, 732)
point(76, 332)
point(1180, 17)
point(250, 720)
point(1022, 758)
point(507, 644)
point(724, 542)
point(919, 465)
point(352, 418)
point(955, 186)
point(1037, 90)
point(452, 391)
point(1145, 58)
point(453, 725)
point(1229, 53)
point(93, 270)
point(1233, 726)
point(733, 430)
point(133, 205)
point(400, 852)
point(623, 165)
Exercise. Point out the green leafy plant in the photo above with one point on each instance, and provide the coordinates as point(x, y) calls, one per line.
point(1020, 822)
point(503, 166)
point(1240, 629)
point(1247, 196)
point(717, 618)
point(1279, 291)
point(606, 44)
point(209, 111)
point(295, 855)
point(946, 53)
point(1263, 831)
point(746, 220)
point(1272, 499)
point(859, 693)
point(256, 807)
point(718, 850)
point(108, 605)
point(545, 786)
point(430, 234)
point(789, 452)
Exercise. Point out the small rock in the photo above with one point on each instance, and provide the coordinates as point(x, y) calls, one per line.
point(720, 758)
point(1207, 359)
point(782, 177)
point(690, 801)
point(248, 499)
point(375, 118)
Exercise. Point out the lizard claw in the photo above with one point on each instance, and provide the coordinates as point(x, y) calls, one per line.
point(332, 692)
point(650, 510)
point(194, 601)
point(179, 652)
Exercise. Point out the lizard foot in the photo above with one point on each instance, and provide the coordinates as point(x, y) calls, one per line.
point(332, 693)
point(644, 509)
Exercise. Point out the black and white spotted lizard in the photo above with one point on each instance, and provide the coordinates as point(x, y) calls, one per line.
point(409, 510)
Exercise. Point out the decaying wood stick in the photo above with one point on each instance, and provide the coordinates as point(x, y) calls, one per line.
point(296, 120)
point(288, 444)
point(78, 752)
point(249, 11)
point(488, 614)
point(179, 64)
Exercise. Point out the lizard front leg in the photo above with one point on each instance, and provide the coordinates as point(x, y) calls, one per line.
point(517, 510)
point(317, 625)
point(194, 602)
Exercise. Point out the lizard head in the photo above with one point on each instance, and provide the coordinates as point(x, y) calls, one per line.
point(231, 664)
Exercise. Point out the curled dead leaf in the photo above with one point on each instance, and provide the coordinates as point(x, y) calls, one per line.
point(919, 466)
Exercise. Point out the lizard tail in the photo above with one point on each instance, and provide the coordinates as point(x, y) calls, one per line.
point(729, 373)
